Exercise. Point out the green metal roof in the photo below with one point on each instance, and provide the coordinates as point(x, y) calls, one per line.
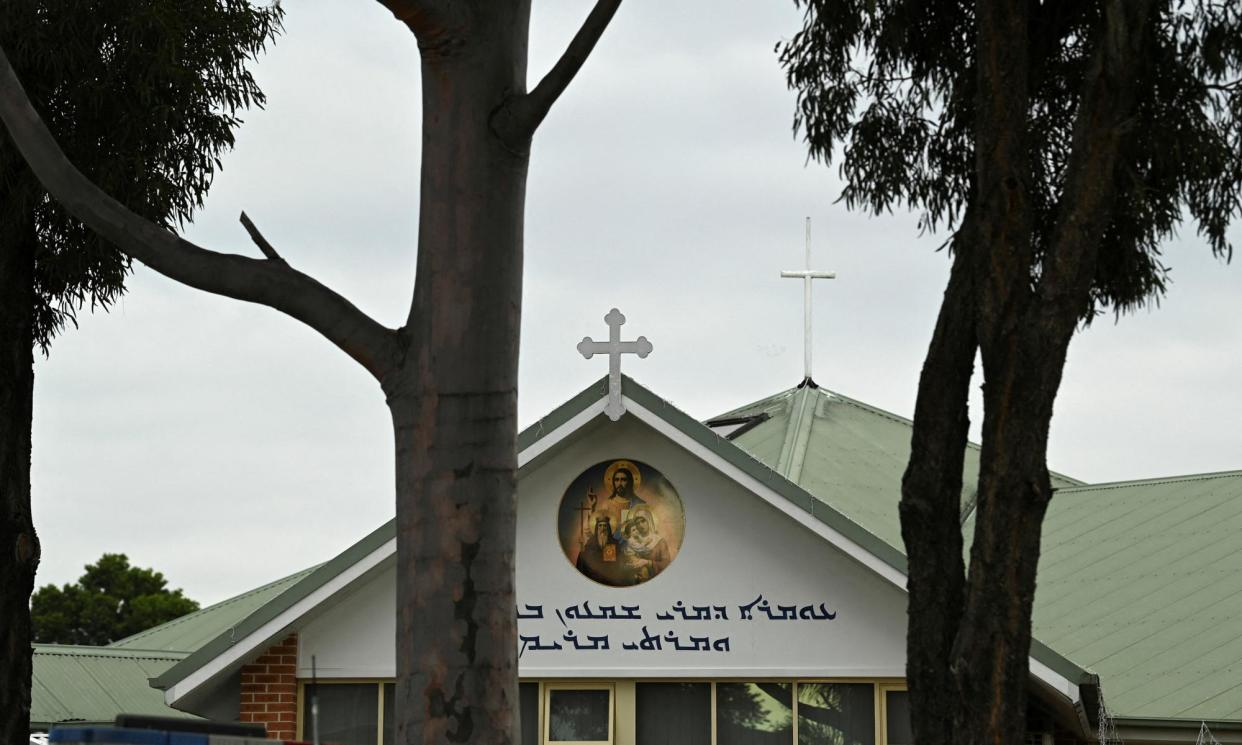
point(93, 684)
point(1141, 582)
point(697, 431)
point(193, 630)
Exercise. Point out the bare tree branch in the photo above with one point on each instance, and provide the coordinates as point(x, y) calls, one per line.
point(519, 116)
point(269, 282)
point(259, 240)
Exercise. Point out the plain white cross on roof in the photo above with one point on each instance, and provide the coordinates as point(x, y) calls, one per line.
point(614, 348)
point(806, 275)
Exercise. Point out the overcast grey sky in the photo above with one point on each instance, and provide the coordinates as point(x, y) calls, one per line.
point(227, 445)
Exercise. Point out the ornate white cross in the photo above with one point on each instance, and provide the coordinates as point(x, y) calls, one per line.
point(614, 348)
point(806, 275)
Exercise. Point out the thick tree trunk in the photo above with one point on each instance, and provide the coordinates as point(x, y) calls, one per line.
point(991, 657)
point(19, 545)
point(1024, 312)
point(454, 398)
point(931, 492)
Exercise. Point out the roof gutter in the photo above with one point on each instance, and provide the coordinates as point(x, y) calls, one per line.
point(1135, 730)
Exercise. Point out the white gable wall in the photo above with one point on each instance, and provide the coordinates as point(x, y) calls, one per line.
point(736, 548)
point(355, 636)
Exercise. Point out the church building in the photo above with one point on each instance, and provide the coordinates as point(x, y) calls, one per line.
point(739, 581)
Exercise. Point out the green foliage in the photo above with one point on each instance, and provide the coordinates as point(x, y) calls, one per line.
point(111, 601)
point(889, 87)
point(143, 96)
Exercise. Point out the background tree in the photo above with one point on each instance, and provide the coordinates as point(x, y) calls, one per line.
point(1060, 143)
point(110, 601)
point(144, 96)
point(449, 375)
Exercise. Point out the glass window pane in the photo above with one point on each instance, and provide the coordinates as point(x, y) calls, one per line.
point(528, 698)
point(390, 714)
point(347, 713)
point(897, 718)
point(836, 714)
point(673, 713)
point(578, 716)
point(754, 714)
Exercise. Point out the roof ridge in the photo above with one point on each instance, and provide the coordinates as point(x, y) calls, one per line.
point(213, 606)
point(763, 402)
point(797, 434)
point(1105, 485)
point(87, 650)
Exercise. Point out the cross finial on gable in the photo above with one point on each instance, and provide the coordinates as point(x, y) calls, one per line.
point(806, 275)
point(614, 348)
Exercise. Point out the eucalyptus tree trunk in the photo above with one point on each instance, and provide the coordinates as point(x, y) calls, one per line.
point(931, 492)
point(454, 399)
point(970, 635)
point(19, 544)
point(449, 374)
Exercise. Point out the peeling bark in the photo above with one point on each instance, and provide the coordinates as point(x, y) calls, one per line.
point(454, 403)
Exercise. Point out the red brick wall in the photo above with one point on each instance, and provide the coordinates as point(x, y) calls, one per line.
point(269, 690)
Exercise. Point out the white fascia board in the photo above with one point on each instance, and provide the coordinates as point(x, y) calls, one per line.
point(545, 443)
point(248, 644)
point(736, 673)
point(1055, 680)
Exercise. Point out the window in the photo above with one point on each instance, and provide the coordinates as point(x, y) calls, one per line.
point(578, 714)
point(348, 713)
point(528, 704)
point(364, 713)
point(771, 712)
point(673, 713)
point(754, 713)
point(897, 730)
point(390, 710)
point(836, 713)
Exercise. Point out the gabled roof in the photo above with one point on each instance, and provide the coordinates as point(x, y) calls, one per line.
point(275, 617)
point(193, 630)
point(92, 684)
point(1141, 581)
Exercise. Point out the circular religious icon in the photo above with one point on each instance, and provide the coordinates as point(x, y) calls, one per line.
point(621, 522)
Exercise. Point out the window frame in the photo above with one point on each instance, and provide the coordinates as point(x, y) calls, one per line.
point(875, 684)
point(304, 700)
point(880, 688)
point(884, 690)
point(545, 713)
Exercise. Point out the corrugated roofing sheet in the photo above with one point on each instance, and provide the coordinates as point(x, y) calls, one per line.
point(1142, 583)
point(94, 684)
point(193, 630)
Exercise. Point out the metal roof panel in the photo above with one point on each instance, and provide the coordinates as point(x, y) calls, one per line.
point(93, 684)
